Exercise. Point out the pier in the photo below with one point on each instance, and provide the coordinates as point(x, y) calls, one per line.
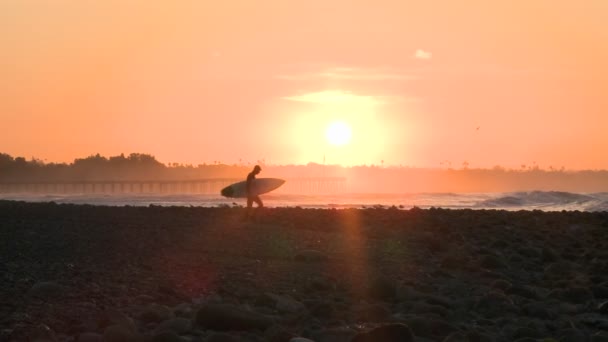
point(314, 185)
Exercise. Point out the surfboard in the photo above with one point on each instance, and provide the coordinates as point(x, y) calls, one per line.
point(259, 186)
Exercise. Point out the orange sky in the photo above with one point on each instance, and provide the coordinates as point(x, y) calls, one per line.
point(419, 82)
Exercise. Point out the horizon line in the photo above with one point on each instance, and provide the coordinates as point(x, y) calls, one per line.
point(444, 165)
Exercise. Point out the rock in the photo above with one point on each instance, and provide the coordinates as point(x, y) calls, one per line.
point(575, 295)
point(178, 325)
point(495, 304)
point(167, 289)
point(600, 291)
point(282, 303)
point(222, 337)
point(381, 288)
point(548, 255)
point(183, 310)
point(594, 321)
point(488, 274)
point(456, 337)
point(286, 304)
point(424, 308)
point(114, 317)
point(438, 300)
point(539, 310)
point(492, 262)
point(340, 334)
point(600, 337)
point(144, 299)
point(432, 242)
point(558, 270)
point(521, 332)
point(395, 332)
point(501, 284)
point(372, 313)
point(300, 339)
point(406, 293)
point(471, 336)
point(485, 322)
point(500, 244)
point(245, 291)
point(167, 336)
point(155, 313)
point(529, 252)
point(454, 261)
point(321, 284)
point(523, 291)
point(320, 308)
point(230, 317)
point(265, 300)
point(603, 308)
point(516, 259)
point(42, 333)
point(214, 298)
point(572, 335)
point(277, 333)
point(570, 308)
point(430, 327)
point(311, 255)
point(118, 333)
point(47, 290)
point(89, 337)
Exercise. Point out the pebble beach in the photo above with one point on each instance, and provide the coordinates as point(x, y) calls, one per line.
point(98, 273)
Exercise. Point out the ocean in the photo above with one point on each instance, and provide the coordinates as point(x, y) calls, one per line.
point(533, 200)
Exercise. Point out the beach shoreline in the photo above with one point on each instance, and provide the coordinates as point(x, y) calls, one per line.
point(328, 275)
point(512, 201)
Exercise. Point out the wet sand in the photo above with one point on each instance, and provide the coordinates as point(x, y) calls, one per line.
point(88, 273)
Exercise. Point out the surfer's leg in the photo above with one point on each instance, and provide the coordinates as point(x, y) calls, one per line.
point(258, 210)
point(249, 206)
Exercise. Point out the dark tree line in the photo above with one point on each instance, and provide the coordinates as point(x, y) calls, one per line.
point(135, 166)
point(373, 178)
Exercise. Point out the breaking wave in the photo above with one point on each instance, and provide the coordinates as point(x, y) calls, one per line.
point(548, 200)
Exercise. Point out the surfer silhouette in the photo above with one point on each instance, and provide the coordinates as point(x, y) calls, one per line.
point(251, 197)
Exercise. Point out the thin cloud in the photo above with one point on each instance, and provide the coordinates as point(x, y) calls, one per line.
point(339, 97)
point(421, 54)
point(333, 97)
point(353, 74)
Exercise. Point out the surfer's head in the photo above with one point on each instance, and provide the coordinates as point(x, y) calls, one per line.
point(257, 169)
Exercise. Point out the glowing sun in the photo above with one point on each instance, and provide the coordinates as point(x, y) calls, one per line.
point(338, 133)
